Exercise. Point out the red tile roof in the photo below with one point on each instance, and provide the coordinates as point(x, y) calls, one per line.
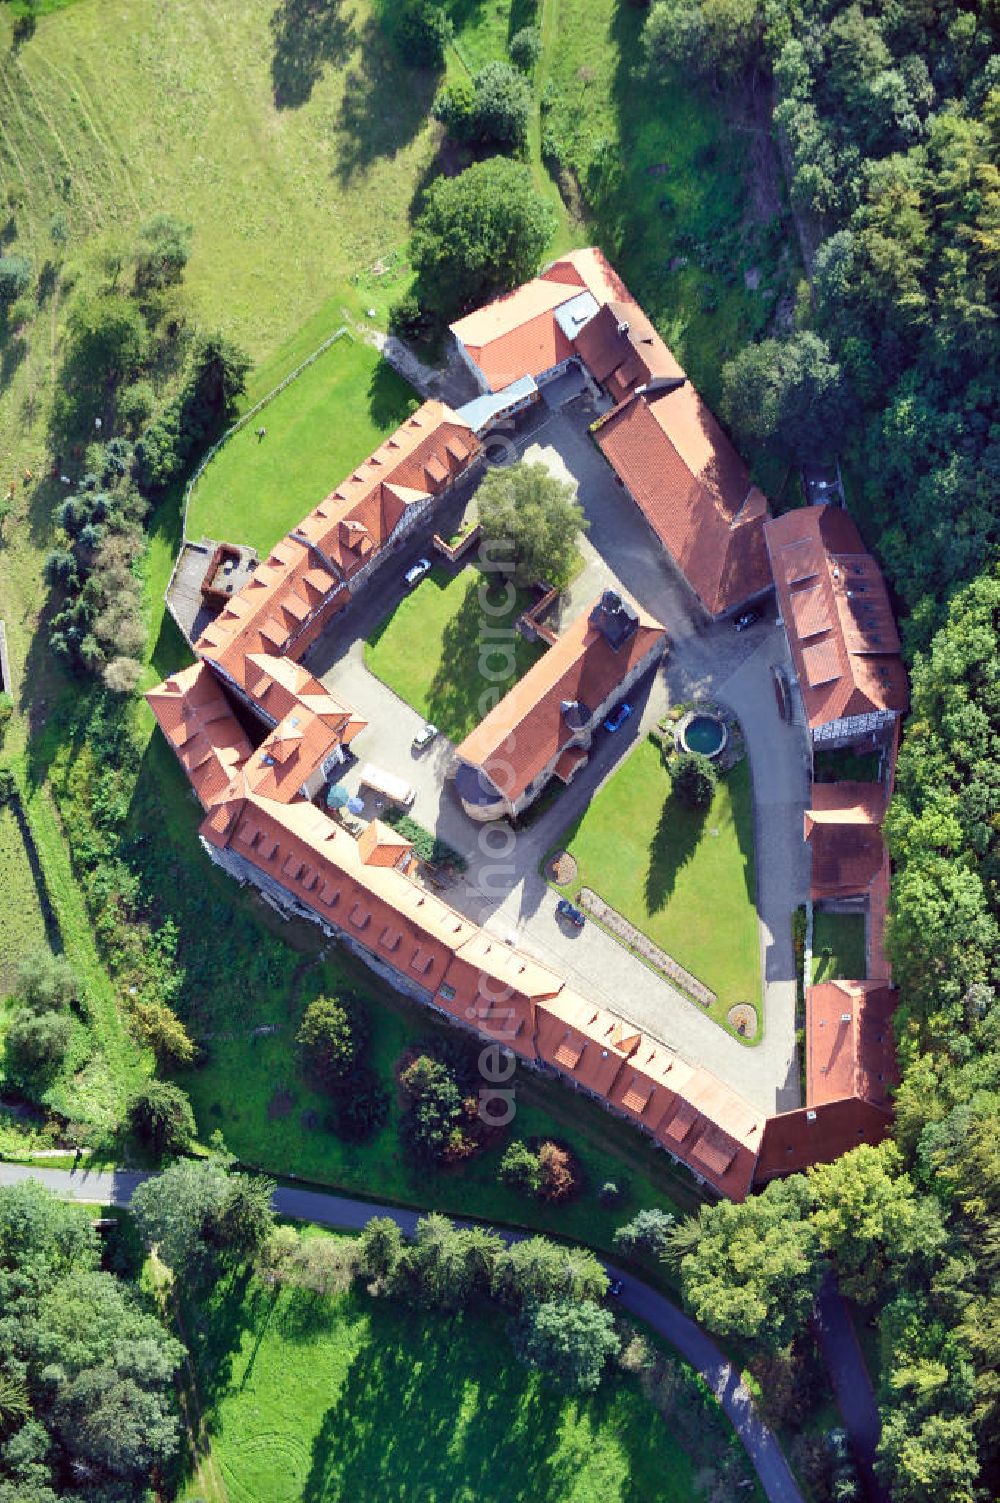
point(193, 713)
point(695, 492)
point(842, 828)
point(850, 1049)
point(794, 1141)
point(620, 342)
point(431, 449)
point(837, 615)
point(529, 727)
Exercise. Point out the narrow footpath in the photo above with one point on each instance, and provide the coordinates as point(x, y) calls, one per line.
point(117, 1186)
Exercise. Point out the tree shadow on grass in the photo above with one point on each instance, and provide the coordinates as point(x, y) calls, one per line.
point(390, 399)
point(468, 670)
point(403, 1425)
point(306, 34)
point(675, 840)
point(385, 105)
point(214, 1324)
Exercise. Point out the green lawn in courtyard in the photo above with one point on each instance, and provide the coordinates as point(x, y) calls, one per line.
point(683, 878)
point(330, 417)
point(838, 952)
point(429, 649)
point(309, 1400)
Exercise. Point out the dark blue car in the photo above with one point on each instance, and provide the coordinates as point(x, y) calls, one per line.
point(572, 915)
point(617, 718)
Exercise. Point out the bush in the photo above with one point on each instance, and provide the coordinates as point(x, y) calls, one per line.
point(38, 1042)
point(46, 982)
point(694, 780)
point(122, 675)
point(559, 1174)
point(6, 711)
point(161, 1116)
point(502, 106)
point(326, 1041)
point(648, 1232)
point(525, 48)
point(8, 785)
point(15, 279)
point(423, 32)
point(519, 1168)
point(408, 320)
point(428, 847)
point(162, 252)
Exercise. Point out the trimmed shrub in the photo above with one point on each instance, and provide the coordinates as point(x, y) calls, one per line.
point(161, 1117)
point(525, 48)
point(694, 780)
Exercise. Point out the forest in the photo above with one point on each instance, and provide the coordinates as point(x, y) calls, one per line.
point(888, 118)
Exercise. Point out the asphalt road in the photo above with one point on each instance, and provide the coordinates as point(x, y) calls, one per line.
point(852, 1386)
point(116, 1187)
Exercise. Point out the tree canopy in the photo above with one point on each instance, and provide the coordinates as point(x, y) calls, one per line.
point(478, 234)
point(533, 518)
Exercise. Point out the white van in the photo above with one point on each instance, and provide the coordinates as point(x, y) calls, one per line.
point(387, 785)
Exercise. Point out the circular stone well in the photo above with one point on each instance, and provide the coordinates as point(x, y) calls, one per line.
point(701, 732)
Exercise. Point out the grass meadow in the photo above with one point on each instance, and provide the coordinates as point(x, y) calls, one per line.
point(443, 679)
point(22, 925)
point(684, 878)
point(838, 952)
point(311, 1400)
point(332, 415)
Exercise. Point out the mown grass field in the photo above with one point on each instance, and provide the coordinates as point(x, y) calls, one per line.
point(685, 879)
point(355, 1398)
point(332, 415)
point(838, 952)
point(429, 649)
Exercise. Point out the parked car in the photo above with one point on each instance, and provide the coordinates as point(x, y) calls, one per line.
point(617, 718)
point(565, 909)
point(747, 619)
point(424, 736)
point(416, 572)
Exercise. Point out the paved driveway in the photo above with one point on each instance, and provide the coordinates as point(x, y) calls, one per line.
point(509, 896)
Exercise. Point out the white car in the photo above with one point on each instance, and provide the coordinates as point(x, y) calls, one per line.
point(416, 572)
point(426, 734)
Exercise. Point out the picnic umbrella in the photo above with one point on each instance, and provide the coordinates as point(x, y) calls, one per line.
point(355, 806)
point(337, 797)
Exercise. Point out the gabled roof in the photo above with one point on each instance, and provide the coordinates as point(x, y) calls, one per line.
point(425, 453)
point(584, 1041)
point(692, 1114)
point(193, 713)
point(842, 828)
point(694, 491)
point(622, 350)
point(837, 615)
point(285, 590)
point(529, 727)
point(298, 746)
point(850, 1048)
